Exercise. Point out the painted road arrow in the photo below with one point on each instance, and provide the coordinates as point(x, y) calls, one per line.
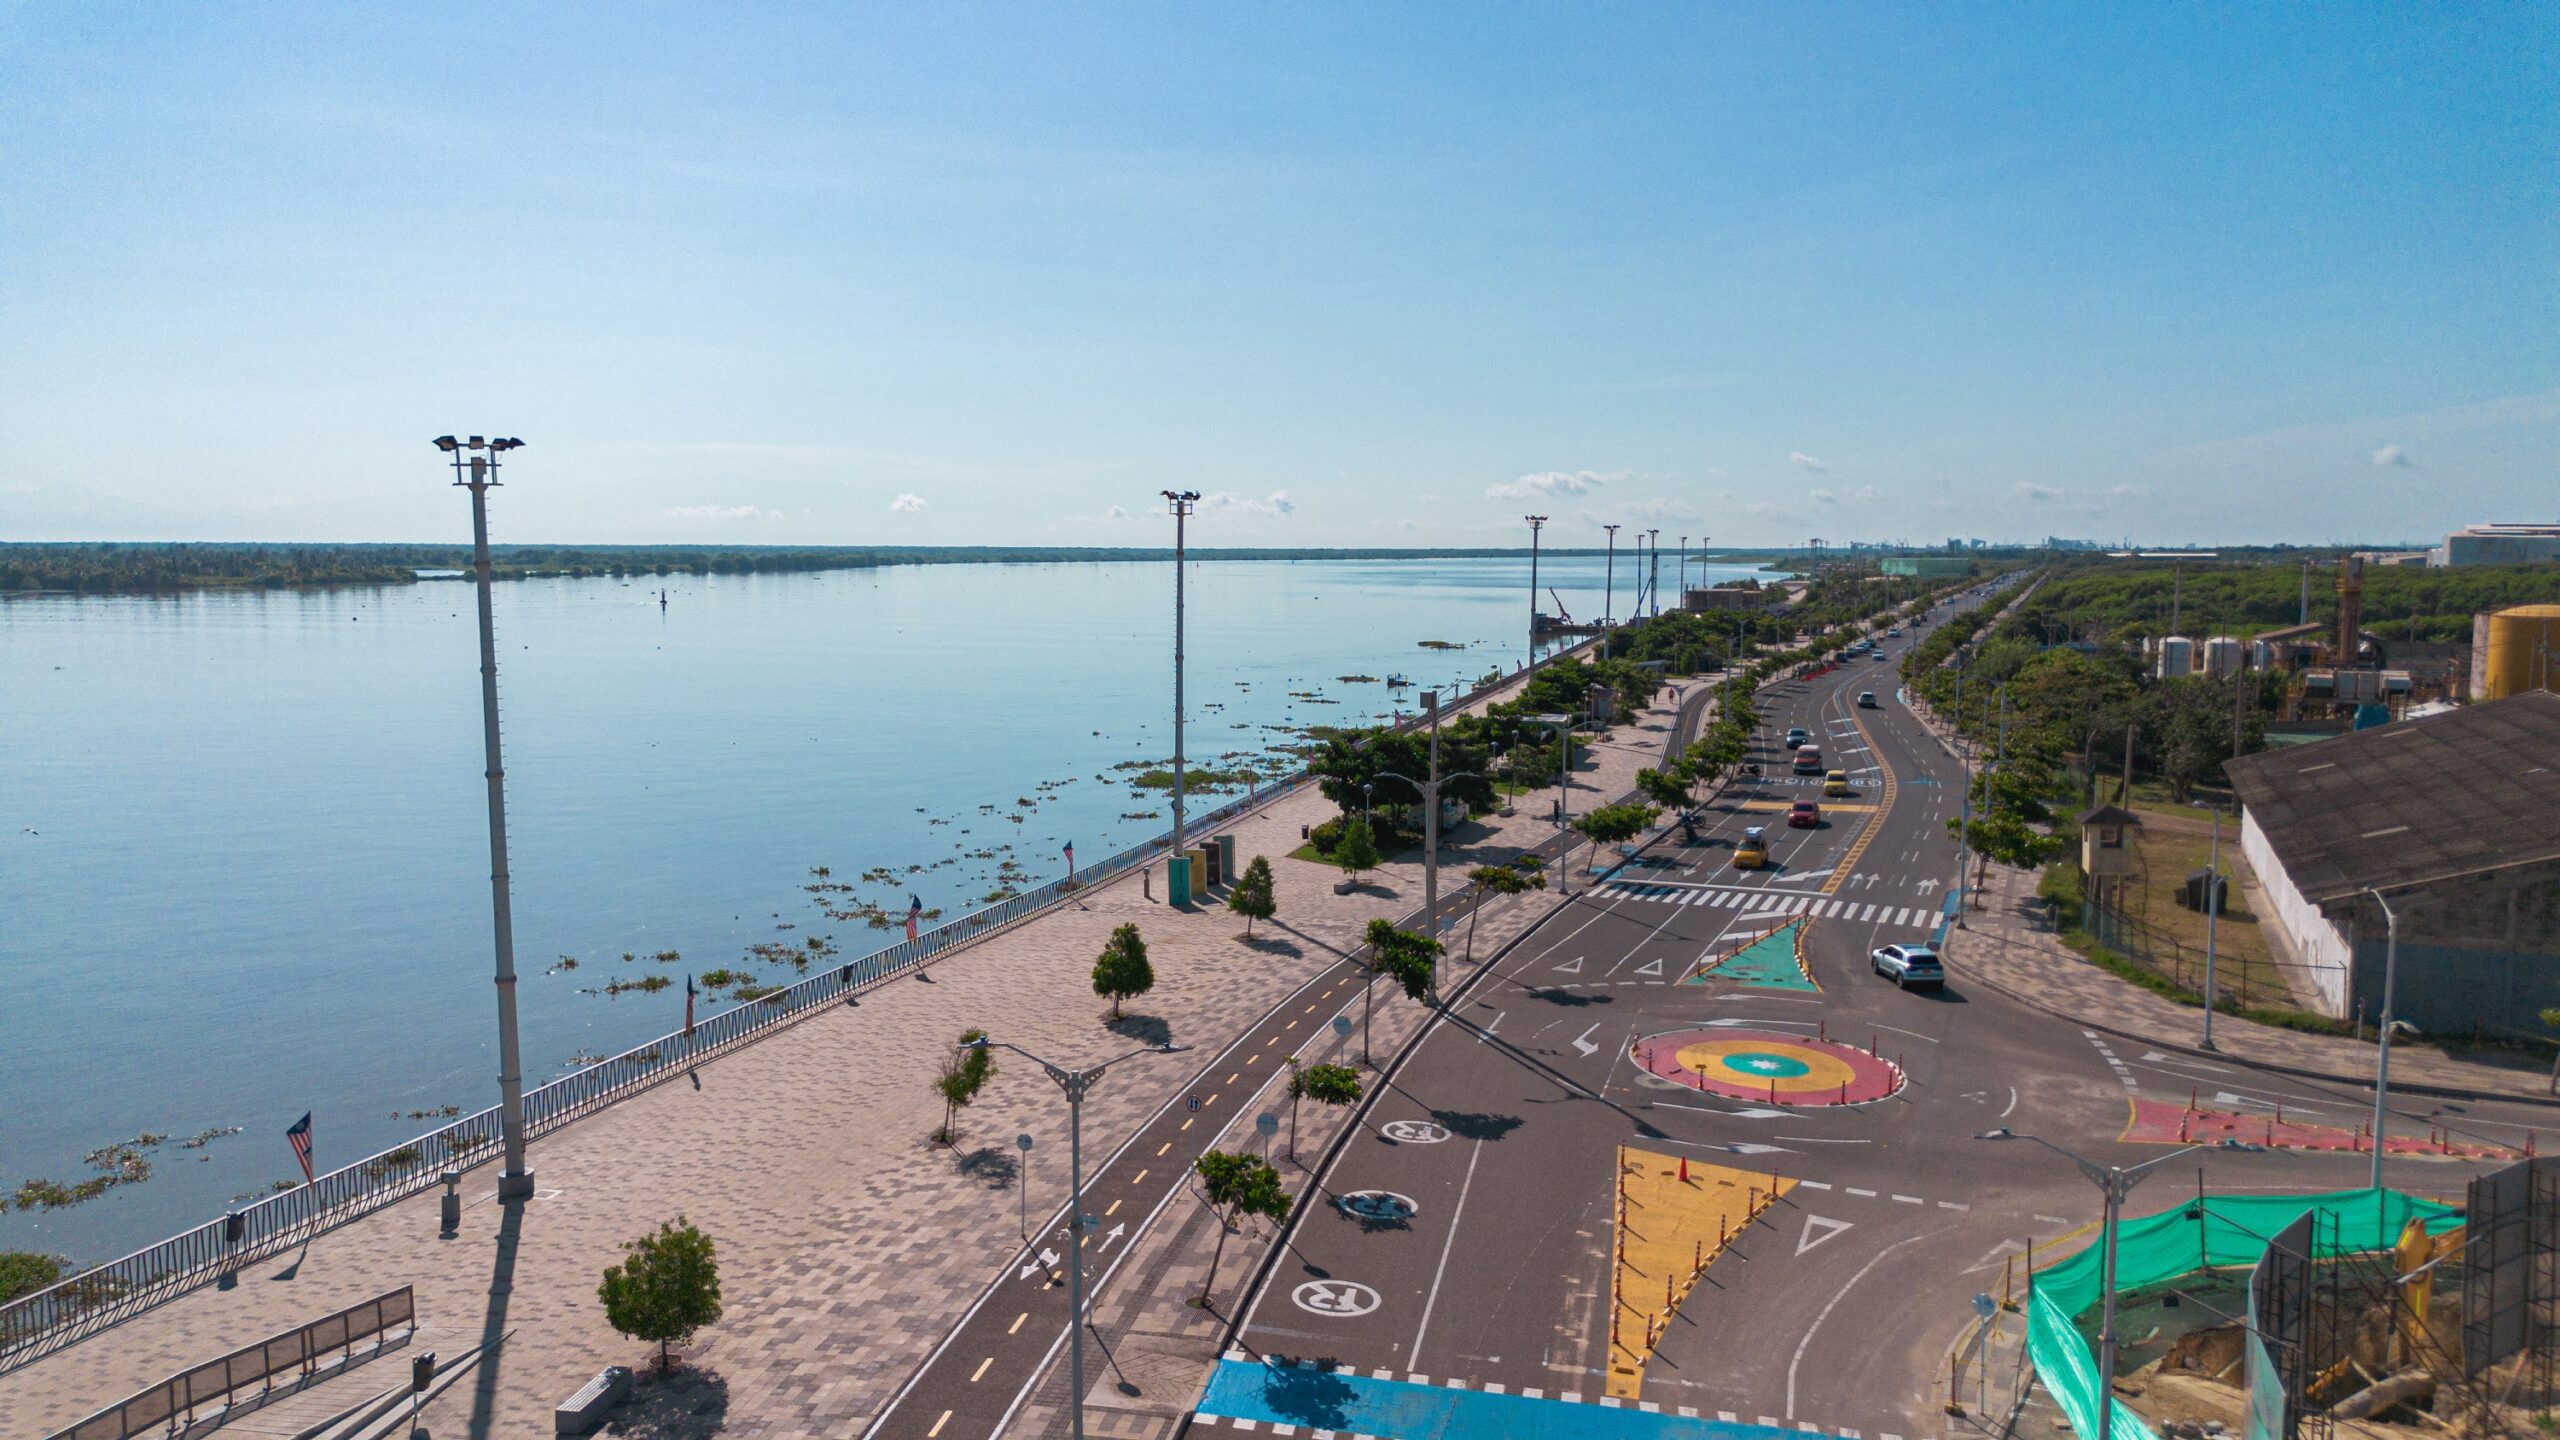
point(1583, 1043)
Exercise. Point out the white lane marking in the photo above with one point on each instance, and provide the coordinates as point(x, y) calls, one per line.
point(1818, 1228)
point(2013, 1102)
point(1833, 1304)
point(1582, 1043)
point(1456, 1212)
point(1854, 1190)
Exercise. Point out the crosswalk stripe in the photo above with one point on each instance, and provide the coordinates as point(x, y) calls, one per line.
point(1868, 913)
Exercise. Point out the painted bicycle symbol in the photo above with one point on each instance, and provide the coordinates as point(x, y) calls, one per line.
point(1413, 1132)
point(1377, 1205)
point(1339, 1298)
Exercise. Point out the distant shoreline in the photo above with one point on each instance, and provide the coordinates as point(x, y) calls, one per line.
point(173, 567)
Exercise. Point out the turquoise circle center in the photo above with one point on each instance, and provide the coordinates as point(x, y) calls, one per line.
point(1775, 1067)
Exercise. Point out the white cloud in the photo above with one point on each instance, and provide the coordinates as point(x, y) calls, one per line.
point(908, 503)
point(1822, 497)
point(2391, 457)
point(2124, 492)
point(1802, 461)
point(2033, 491)
point(1116, 512)
point(721, 512)
point(1277, 503)
point(1552, 482)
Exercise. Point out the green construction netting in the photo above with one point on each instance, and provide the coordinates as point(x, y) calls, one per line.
point(2221, 1230)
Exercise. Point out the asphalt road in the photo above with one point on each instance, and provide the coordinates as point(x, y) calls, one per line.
point(1838, 1307)
point(974, 1381)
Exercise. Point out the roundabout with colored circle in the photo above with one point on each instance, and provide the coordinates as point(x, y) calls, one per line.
point(1768, 1066)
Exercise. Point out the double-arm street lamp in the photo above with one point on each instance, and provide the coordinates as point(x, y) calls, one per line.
point(1431, 823)
point(1075, 1083)
point(475, 468)
point(1561, 727)
point(2382, 1056)
point(2115, 1182)
point(1609, 592)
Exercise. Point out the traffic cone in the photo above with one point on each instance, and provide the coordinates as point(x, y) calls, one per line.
point(1684, 1169)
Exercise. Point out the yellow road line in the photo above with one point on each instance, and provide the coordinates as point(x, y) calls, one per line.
point(981, 1370)
point(1017, 1322)
point(1849, 863)
point(937, 1425)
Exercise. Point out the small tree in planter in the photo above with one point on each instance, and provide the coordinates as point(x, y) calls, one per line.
point(1252, 896)
point(1325, 1085)
point(965, 1071)
point(1358, 848)
point(1402, 955)
point(668, 1288)
point(1123, 970)
point(1611, 824)
point(1236, 1187)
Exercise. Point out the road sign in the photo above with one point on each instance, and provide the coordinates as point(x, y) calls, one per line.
point(1339, 1298)
point(1266, 1124)
point(1342, 1026)
point(1022, 1143)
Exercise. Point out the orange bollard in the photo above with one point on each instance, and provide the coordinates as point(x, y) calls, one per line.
point(1666, 1293)
point(1844, 1092)
point(1697, 1256)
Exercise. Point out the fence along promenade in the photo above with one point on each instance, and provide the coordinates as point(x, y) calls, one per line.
point(73, 1309)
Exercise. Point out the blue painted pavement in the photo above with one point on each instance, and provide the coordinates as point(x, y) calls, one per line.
point(1314, 1398)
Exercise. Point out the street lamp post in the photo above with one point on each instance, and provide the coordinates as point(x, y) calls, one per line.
point(475, 468)
point(1536, 524)
point(1431, 825)
point(1561, 727)
point(1075, 1083)
point(1182, 503)
point(2212, 909)
point(2382, 1057)
point(1653, 586)
point(1609, 594)
point(2115, 1182)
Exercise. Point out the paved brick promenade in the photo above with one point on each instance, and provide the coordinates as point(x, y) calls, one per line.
point(848, 1244)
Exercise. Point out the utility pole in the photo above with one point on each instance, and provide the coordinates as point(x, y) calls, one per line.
point(1561, 727)
point(1654, 544)
point(477, 473)
point(1609, 595)
point(1182, 503)
point(2306, 590)
point(1536, 524)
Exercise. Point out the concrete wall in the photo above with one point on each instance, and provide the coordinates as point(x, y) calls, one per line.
point(2319, 945)
point(2454, 991)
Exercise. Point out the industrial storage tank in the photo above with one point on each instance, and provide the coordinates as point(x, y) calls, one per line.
point(2522, 651)
point(2224, 656)
point(2177, 656)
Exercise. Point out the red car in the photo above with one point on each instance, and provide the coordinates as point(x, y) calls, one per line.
point(1804, 815)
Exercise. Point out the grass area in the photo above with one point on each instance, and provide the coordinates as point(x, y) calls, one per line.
point(2152, 980)
point(2244, 961)
point(1388, 853)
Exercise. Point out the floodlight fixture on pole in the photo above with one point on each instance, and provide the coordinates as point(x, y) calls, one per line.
point(475, 468)
point(1181, 503)
point(1536, 524)
point(1075, 1083)
point(1609, 593)
point(2115, 1182)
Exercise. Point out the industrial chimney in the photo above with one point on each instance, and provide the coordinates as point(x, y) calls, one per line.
point(2350, 609)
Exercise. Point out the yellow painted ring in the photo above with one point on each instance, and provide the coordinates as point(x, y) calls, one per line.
point(1731, 1062)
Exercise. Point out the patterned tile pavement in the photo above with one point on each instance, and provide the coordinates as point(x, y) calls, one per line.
point(849, 1244)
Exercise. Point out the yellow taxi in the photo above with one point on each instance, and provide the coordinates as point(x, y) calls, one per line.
point(1836, 783)
point(1753, 851)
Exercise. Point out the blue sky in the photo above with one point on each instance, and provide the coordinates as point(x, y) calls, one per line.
point(1364, 274)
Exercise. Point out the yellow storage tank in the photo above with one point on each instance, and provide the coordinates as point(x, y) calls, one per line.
point(2523, 651)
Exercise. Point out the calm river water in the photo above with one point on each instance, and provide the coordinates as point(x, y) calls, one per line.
point(243, 849)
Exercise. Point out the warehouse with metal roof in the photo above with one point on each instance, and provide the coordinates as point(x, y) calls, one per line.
point(2452, 822)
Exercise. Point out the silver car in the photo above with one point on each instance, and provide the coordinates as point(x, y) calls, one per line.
point(1909, 965)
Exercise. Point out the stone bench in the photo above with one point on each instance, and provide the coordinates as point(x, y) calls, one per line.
point(586, 1409)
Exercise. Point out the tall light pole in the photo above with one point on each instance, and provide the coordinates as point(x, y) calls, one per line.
point(1561, 727)
point(2382, 1057)
point(1683, 601)
point(1964, 816)
point(1431, 825)
point(475, 468)
point(1609, 595)
point(1653, 543)
point(1075, 1083)
point(1182, 502)
point(1536, 524)
point(2212, 909)
point(2115, 1182)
